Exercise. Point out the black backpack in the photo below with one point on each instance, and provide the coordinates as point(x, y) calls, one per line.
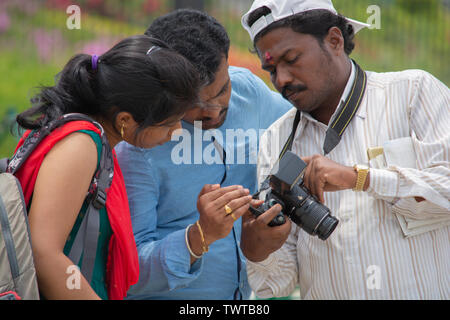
point(17, 272)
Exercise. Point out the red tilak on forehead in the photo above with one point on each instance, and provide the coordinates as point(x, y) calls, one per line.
point(268, 57)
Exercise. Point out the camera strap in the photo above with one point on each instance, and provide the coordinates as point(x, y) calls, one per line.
point(345, 114)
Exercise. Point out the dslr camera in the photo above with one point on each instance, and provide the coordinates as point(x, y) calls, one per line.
point(303, 208)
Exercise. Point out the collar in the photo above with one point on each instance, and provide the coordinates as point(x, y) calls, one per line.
point(348, 86)
point(347, 90)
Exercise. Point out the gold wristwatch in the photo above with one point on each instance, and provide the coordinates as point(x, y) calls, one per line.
point(362, 171)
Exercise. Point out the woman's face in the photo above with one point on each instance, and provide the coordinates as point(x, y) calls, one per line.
point(152, 136)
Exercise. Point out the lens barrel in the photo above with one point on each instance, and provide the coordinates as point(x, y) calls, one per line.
point(326, 227)
point(314, 218)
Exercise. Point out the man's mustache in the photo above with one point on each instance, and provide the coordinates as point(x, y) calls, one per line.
point(291, 89)
point(222, 111)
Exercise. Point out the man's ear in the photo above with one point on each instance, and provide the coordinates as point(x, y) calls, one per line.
point(334, 40)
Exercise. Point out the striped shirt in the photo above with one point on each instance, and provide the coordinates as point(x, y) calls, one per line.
point(367, 256)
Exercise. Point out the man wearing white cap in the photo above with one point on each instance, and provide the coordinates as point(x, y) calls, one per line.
point(343, 115)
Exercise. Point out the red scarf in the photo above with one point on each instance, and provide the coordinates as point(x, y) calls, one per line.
point(122, 268)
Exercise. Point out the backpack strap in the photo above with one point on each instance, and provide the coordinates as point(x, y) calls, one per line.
point(36, 136)
point(85, 242)
point(87, 236)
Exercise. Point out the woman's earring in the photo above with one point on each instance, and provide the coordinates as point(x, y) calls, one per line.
point(121, 130)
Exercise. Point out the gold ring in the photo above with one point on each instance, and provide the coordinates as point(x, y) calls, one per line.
point(232, 215)
point(228, 210)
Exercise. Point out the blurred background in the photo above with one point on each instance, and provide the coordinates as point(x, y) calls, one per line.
point(36, 39)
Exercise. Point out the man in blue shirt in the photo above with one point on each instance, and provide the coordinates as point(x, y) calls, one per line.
point(189, 247)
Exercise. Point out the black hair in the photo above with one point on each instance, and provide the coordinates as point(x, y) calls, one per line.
point(197, 36)
point(152, 87)
point(314, 22)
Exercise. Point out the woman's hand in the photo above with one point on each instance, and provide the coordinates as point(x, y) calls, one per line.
point(214, 220)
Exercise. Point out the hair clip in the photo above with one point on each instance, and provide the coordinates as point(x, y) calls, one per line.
point(94, 61)
point(153, 49)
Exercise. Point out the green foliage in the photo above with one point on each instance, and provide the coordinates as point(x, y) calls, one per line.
point(21, 75)
point(418, 6)
point(413, 35)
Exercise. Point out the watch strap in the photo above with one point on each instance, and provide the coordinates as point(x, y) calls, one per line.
point(361, 178)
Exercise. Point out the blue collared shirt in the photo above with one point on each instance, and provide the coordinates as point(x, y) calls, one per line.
point(163, 184)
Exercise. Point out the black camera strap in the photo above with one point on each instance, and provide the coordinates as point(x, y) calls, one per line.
point(345, 114)
point(346, 111)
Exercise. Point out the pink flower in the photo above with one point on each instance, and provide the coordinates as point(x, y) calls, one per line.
point(98, 47)
point(151, 6)
point(94, 3)
point(5, 22)
point(59, 4)
point(26, 6)
point(47, 43)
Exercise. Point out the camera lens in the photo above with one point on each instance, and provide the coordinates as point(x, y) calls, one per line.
point(272, 202)
point(326, 228)
point(314, 218)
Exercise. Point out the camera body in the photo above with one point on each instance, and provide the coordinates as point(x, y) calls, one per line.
point(303, 208)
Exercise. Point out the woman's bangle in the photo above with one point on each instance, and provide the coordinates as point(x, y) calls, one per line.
point(205, 247)
point(187, 243)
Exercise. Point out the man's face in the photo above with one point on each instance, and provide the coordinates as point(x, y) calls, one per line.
point(215, 98)
point(300, 68)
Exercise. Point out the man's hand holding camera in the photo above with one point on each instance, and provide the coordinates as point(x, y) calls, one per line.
point(258, 239)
